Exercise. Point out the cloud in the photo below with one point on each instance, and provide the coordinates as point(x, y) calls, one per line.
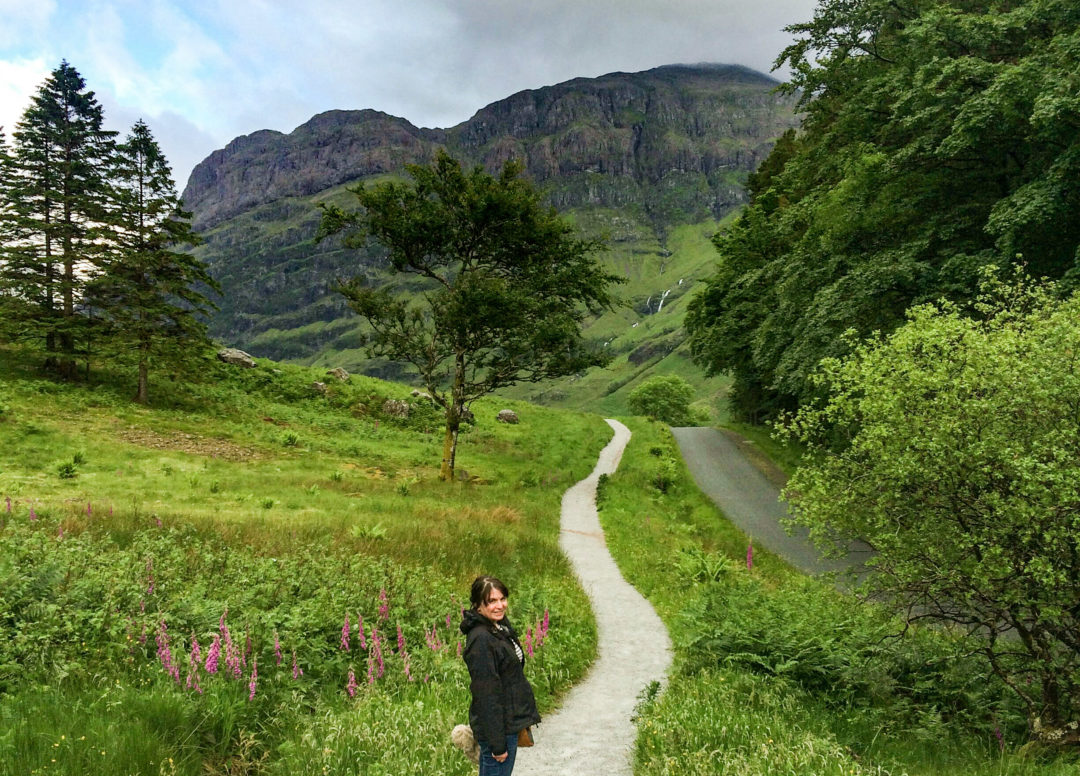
point(19, 79)
point(217, 69)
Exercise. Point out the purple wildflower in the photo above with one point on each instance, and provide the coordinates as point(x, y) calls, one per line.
point(400, 640)
point(212, 655)
point(254, 678)
point(360, 630)
point(33, 514)
point(376, 652)
point(165, 654)
point(448, 626)
point(345, 633)
point(384, 605)
point(528, 642)
point(110, 510)
point(459, 648)
point(297, 671)
point(277, 650)
point(193, 665)
point(351, 686)
point(1000, 738)
point(89, 511)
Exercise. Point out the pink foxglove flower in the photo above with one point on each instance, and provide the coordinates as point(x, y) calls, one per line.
point(297, 671)
point(351, 685)
point(384, 605)
point(212, 655)
point(360, 630)
point(253, 683)
point(277, 650)
point(345, 633)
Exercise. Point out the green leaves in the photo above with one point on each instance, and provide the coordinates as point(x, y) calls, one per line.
point(961, 467)
point(505, 284)
point(937, 139)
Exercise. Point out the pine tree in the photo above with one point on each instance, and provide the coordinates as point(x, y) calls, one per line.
point(7, 232)
point(149, 293)
point(58, 192)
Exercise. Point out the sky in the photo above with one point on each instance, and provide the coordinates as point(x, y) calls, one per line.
point(202, 72)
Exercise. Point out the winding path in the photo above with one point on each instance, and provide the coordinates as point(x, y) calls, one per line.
point(592, 731)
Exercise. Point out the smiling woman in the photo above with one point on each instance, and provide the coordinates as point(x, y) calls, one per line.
point(502, 699)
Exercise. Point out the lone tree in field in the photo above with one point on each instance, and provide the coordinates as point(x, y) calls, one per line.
point(953, 448)
point(510, 284)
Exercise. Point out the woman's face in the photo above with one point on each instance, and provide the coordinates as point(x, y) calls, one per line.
point(495, 607)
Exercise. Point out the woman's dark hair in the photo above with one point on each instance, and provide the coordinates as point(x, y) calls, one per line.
point(481, 590)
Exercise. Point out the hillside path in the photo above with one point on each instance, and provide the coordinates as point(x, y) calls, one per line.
point(591, 732)
point(746, 488)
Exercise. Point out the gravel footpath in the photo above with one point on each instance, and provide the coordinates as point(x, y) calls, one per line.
point(592, 731)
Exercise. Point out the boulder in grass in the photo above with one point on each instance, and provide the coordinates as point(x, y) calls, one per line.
point(418, 394)
point(339, 373)
point(396, 408)
point(236, 357)
point(319, 388)
point(507, 416)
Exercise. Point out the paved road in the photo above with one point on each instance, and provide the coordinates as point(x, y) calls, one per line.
point(592, 731)
point(750, 499)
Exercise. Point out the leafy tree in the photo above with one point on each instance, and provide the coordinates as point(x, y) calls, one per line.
point(59, 191)
point(150, 292)
point(508, 285)
point(938, 138)
point(664, 397)
point(953, 448)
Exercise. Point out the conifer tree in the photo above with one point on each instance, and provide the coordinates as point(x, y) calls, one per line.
point(7, 231)
point(58, 192)
point(149, 293)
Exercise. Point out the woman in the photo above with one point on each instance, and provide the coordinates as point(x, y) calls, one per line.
point(502, 700)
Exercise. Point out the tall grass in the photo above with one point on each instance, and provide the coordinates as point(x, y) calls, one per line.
point(252, 494)
point(776, 673)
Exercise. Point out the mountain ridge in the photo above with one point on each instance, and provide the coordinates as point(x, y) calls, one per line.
point(632, 156)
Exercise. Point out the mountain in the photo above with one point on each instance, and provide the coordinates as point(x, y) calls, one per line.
point(642, 157)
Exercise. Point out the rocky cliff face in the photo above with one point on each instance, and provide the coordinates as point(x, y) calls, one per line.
point(633, 130)
point(632, 155)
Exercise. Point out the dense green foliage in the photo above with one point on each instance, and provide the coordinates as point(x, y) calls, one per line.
point(664, 397)
point(938, 137)
point(953, 448)
point(293, 510)
point(509, 283)
point(776, 673)
point(150, 292)
point(88, 231)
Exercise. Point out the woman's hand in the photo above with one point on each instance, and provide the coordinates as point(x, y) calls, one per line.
point(500, 758)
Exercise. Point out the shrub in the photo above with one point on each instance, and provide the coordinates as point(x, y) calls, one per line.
point(664, 397)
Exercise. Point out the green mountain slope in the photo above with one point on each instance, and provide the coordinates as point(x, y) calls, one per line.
point(653, 160)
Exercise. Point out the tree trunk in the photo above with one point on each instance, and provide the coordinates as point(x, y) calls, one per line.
point(446, 472)
point(453, 419)
point(141, 393)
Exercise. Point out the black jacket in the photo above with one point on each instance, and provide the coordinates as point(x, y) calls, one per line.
point(502, 700)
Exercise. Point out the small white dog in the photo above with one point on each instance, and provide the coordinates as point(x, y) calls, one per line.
point(463, 738)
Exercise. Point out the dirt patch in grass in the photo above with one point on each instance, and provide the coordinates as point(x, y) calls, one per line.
point(179, 441)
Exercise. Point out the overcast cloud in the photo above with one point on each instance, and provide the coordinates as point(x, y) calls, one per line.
point(201, 72)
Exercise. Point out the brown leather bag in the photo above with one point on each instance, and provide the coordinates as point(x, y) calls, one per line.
point(525, 737)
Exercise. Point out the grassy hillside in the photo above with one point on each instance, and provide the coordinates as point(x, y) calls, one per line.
point(250, 505)
point(777, 673)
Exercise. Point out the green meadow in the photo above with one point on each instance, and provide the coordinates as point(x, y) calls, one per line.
point(251, 510)
point(253, 516)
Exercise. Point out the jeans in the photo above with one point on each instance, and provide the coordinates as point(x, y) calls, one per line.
point(490, 767)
